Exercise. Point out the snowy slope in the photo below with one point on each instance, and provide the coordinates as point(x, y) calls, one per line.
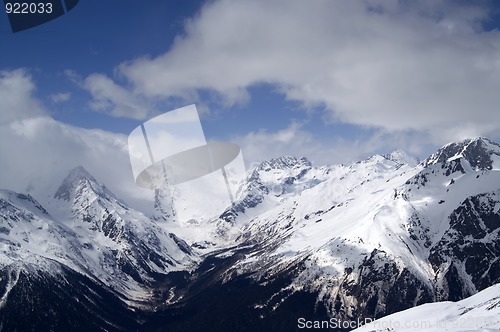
point(480, 312)
point(28, 234)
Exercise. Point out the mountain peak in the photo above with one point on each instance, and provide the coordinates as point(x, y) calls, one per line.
point(477, 151)
point(285, 162)
point(79, 172)
point(400, 157)
point(75, 177)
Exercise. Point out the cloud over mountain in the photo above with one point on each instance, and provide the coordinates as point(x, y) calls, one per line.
point(430, 66)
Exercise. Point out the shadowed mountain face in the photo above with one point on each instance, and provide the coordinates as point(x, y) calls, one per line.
point(342, 242)
point(480, 153)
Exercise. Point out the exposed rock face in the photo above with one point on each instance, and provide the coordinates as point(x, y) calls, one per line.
point(467, 256)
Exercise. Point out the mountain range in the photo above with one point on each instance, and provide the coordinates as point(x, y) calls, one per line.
point(300, 243)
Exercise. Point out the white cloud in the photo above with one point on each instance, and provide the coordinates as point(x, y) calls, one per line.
point(38, 152)
point(112, 98)
point(263, 145)
point(60, 97)
point(294, 140)
point(16, 96)
point(393, 65)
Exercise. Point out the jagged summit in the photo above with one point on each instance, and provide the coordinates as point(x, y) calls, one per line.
point(480, 152)
point(284, 162)
point(78, 179)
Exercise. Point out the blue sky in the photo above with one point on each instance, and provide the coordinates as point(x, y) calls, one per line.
point(335, 81)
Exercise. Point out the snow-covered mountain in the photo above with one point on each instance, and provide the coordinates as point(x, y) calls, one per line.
point(92, 233)
point(345, 241)
point(367, 239)
point(127, 238)
point(380, 235)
